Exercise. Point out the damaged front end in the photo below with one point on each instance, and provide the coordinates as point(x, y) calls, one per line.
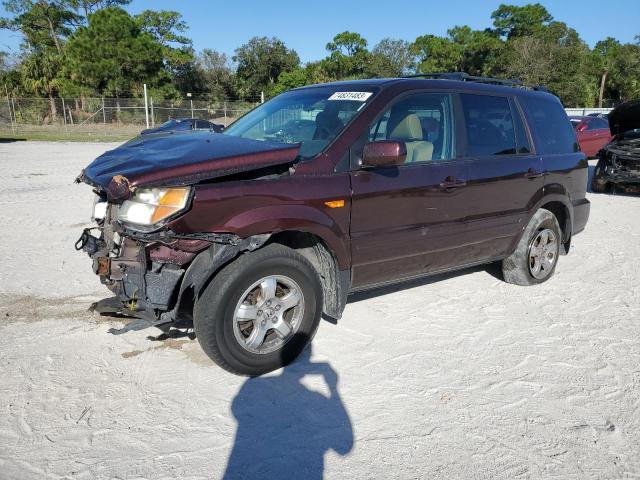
point(619, 164)
point(619, 161)
point(143, 274)
point(141, 188)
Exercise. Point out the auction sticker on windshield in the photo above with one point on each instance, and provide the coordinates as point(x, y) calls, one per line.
point(357, 96)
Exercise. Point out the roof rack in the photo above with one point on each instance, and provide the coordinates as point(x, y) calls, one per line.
point(465, 77)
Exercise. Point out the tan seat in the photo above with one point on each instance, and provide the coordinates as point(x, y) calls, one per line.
point(409, 130)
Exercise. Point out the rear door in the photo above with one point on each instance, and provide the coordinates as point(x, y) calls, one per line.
point(505, 177)
point(408, 220)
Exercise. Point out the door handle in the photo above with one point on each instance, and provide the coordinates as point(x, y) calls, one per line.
point(451, 183)
point(533, 173)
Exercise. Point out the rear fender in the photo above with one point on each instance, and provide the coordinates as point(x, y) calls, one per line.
point(557, 194)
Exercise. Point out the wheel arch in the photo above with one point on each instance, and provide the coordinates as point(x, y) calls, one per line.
point(334, 280)
point(560, 205)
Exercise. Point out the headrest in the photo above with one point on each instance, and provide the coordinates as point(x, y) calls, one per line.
point(409, 128)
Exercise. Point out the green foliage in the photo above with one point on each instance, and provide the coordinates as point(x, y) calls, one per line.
point(512, 21)
point(390, 58)
point(114, 55)
point(260, 62)
point(348, 56)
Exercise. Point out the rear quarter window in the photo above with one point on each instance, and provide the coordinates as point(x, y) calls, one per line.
point(553, 132)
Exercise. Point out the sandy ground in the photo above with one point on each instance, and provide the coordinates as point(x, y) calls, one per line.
point(460, 376)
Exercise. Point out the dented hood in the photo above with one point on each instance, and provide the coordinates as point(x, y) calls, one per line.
point(625, 117)
point(182, 159)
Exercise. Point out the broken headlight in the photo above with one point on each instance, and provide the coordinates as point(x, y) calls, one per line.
point(149, 207)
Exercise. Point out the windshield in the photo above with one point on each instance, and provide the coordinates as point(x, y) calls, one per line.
point(312, 117)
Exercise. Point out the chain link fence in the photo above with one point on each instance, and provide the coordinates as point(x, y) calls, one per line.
point(108, 117)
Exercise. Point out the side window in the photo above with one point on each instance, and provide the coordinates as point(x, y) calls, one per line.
point(424, 122)
point(489, 123)
point(552, 129)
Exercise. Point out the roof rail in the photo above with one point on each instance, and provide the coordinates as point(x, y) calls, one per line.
point(465, 77)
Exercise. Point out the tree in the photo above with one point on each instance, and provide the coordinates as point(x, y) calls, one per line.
point(348, 56)
point(261, 61)
point(512, 21)
point(39, 75)
point(391, 58)
point(557, 58)
point(218, 76)
point(605, 53)
point(166, 27)
point(43, 24)
point(87, 7)
point(437, 54)
point(114, 55)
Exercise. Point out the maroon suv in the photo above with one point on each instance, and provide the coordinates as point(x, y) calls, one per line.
point(251, 235)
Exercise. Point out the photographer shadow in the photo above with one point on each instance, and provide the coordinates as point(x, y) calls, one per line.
point(284, 428)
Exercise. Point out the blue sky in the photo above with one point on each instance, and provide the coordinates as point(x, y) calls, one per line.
point(307, 25)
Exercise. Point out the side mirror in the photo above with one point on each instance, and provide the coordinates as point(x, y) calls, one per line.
point(582, 127)
point(386, 153)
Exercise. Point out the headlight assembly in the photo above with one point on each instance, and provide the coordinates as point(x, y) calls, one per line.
point(150, 207)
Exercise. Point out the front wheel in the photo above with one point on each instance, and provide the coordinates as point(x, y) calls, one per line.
point(599, 184)
point(536, 255)
point(260, 311)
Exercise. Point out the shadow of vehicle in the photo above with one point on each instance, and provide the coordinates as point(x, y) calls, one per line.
point(12, 139)
point(285, 428)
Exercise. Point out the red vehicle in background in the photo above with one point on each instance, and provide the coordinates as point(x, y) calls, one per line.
point(593, 133)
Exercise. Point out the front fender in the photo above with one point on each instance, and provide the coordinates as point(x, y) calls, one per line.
point(302, 218)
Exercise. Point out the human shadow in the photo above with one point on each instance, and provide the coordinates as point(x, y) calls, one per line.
point(284, 428)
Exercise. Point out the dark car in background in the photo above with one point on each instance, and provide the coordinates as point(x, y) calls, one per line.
point(593, 133)
point(184, 124)
point(619, 161)
point(251, 235)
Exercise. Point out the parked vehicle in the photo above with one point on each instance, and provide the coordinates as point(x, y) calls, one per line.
point(592, 132)
point(599, 115)
point(619, 162)
point(184, 124)
point(252, 235)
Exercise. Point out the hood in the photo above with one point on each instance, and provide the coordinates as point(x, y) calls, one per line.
point(625, 117)
point(183, 158)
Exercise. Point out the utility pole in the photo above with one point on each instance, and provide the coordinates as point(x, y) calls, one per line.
point(104, 113)
point(262, 97)
point(146, 105)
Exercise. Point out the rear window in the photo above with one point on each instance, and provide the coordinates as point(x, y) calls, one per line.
point(552, 129)
point(490, 129)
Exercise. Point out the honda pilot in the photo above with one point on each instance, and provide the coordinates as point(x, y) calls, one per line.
point(251, 235)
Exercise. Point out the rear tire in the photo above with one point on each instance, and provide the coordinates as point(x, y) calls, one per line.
point(536, 256)
point(235, 326)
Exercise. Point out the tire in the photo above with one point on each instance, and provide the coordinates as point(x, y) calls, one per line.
point(598, 184)
point(523, 267)
point(220, 310)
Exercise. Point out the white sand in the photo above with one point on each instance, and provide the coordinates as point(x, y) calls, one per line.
point(460, 376)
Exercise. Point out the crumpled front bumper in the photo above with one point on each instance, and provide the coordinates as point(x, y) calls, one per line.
point(619, 169)
point(143, 275)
